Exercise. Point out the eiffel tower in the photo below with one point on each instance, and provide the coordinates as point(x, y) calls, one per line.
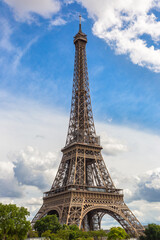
point(83, 191)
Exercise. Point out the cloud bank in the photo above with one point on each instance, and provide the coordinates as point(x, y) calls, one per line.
point(129, 27)
point(6, 32)
point(24, 9)
point(112, 146)
point(32, 168)
point(148, 186)
point(58, 21)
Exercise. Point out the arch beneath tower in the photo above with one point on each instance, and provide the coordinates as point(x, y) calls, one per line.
point(52, 211)
point(92, 217)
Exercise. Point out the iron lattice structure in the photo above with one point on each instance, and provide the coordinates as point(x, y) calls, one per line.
point(83, 191)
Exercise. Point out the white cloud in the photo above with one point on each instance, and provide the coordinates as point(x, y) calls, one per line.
point(9, 187)
point(35, 165)
point(112, 146)
point(145, 186)
point(148, 186)
point(6, 32)
point(109, 222)
point(147, 212)
point(67, 2)
point(25, 8)
point(34, 201)
point(153, 179)
point(142, 150)
point(58, 21)
point(123, 24)
point(31, 167)
point(21, 52)
point(13, 54)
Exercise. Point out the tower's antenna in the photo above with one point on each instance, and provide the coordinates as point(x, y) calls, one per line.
point(80, 17)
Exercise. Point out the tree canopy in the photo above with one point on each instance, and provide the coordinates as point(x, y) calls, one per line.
point(73, 233)
point(117, 233)
point(13, 222)
point(49, 222)
point(50, 228)
point(152, 232)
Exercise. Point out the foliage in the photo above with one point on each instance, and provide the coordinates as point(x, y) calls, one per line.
point(98, 233)
point(117, 233)
point(64, 232)
point(70, 233)
point(49, 222)
point(13, 223)
point(32, 234)
point(152, 232)
point(47, 234)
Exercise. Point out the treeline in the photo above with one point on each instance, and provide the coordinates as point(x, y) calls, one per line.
point(50, 228)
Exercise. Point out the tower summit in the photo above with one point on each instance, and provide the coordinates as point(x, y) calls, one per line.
point(83, 191)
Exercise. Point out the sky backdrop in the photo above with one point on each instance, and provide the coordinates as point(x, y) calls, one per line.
point(36, 73)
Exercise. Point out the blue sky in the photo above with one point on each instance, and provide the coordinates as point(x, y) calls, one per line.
point(36, 73)
point(41, 62)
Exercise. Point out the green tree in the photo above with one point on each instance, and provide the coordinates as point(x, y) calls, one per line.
point(152, 232)
point(32, 234)
point(47, 234)
point(117, 233)
point(49, 222)
point(13, 223)
point(68, 234)
point(74, 228)
point(63, 234)
point(95, 234)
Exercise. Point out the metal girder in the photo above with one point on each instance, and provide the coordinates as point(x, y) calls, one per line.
point(83, 165)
